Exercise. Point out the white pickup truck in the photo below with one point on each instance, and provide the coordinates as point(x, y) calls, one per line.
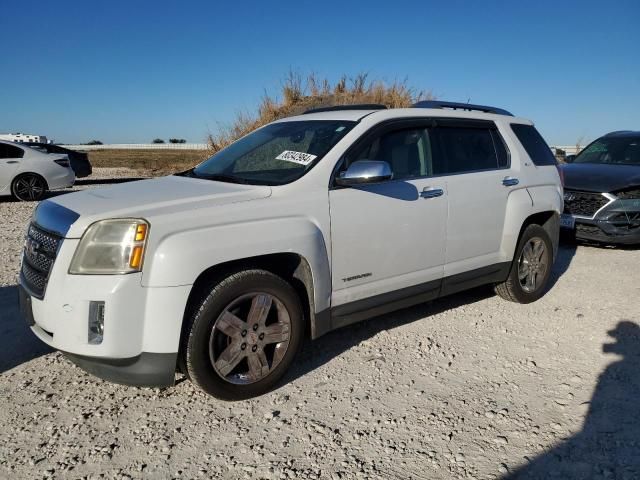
point(305, 225)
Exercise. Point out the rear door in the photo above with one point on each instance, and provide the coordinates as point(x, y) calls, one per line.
point(10, 158)
point(473, 158)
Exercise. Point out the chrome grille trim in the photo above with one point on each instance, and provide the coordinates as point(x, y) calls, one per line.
point(585, 204)
point(40, 251)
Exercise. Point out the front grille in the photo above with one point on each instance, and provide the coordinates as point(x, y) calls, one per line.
point(585, 204)
point(39, 254)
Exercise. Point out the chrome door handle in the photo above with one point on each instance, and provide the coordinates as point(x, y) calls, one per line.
point(430, 192)
point(510, 181)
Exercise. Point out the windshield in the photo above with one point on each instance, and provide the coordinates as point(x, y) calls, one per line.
point(612, 150)
point(276, 154)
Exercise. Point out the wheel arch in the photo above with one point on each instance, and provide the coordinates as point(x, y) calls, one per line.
point(292, 267)
point(549, 220)
point(526, 206)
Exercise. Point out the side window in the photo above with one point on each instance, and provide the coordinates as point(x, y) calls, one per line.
point(534, 144)
point(501, 150)
point(10, 151)
point(467, 149)
point(407, 151)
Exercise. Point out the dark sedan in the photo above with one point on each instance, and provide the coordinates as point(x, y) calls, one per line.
point(79, 161)
point(602, 190)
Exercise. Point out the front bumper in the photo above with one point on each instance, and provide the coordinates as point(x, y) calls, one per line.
point(142, 325)
point(602, 231)
point(145, 370)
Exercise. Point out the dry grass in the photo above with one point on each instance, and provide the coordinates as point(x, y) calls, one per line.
point(156, 162)
point(298, 95)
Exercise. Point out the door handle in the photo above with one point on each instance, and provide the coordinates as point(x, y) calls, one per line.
point(12, 161)
point(510, 181)
point(431, 192)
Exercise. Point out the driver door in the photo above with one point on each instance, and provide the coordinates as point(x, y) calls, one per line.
point(388, 238)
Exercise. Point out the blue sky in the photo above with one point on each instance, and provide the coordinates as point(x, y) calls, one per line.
point(131, 71)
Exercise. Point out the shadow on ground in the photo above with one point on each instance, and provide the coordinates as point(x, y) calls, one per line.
point(566, 252)
point(609, 444)
point(17, 343)
point(322, 350)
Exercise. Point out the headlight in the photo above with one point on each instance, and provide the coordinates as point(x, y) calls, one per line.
point(111, 247)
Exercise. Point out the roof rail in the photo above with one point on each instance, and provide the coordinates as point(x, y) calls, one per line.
point(359, 106)
point(461, 106)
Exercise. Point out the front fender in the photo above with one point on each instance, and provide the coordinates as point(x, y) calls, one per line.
point(179, 258)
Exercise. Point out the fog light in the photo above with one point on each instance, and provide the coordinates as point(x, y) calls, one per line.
point(96, 322)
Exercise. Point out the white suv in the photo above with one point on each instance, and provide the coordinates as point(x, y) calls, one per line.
point(303, 226)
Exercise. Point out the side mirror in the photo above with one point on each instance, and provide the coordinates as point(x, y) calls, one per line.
point(365, 171)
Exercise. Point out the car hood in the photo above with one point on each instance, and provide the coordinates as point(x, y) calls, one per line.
point(593, 177)
point(147, 199)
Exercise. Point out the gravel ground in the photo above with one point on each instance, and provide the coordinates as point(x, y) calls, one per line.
point(469, 386)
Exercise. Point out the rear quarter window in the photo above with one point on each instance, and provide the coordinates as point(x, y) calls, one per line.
point(534, 144)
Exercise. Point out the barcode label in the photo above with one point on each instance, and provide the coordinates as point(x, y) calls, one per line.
point(300, 158)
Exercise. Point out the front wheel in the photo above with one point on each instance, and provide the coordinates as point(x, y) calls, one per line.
point(530, 269)
point(244, 335)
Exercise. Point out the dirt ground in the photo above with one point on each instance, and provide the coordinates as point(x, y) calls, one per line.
point(469, 386)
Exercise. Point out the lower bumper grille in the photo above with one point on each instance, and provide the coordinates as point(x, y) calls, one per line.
point(40, 251)
point(584, 204)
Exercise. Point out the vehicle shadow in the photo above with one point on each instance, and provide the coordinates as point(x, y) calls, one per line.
point(318, 352)
point(566, 252)
point(17, 343)
point(608, 446)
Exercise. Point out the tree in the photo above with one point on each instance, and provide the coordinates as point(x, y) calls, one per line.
point(177, 140)
point(94, 142)
point(158, 140)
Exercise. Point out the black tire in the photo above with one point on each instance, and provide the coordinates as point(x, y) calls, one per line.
point(200, 339)
point(512, 288)
point(29, 187)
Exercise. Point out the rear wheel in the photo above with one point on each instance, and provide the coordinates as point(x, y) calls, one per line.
point(29, 187)
point(530, 269)
point(243, 335)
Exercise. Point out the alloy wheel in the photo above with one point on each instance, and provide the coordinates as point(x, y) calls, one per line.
point(249, 338)
point(533, 264)
point(29, 187)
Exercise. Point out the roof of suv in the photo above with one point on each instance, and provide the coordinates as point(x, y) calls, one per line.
point(383, 114)
point(432, 108)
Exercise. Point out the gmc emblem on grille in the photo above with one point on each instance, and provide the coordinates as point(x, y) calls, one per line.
point(32, 246)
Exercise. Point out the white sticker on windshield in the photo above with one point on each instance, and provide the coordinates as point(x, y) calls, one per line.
point(300, 158)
